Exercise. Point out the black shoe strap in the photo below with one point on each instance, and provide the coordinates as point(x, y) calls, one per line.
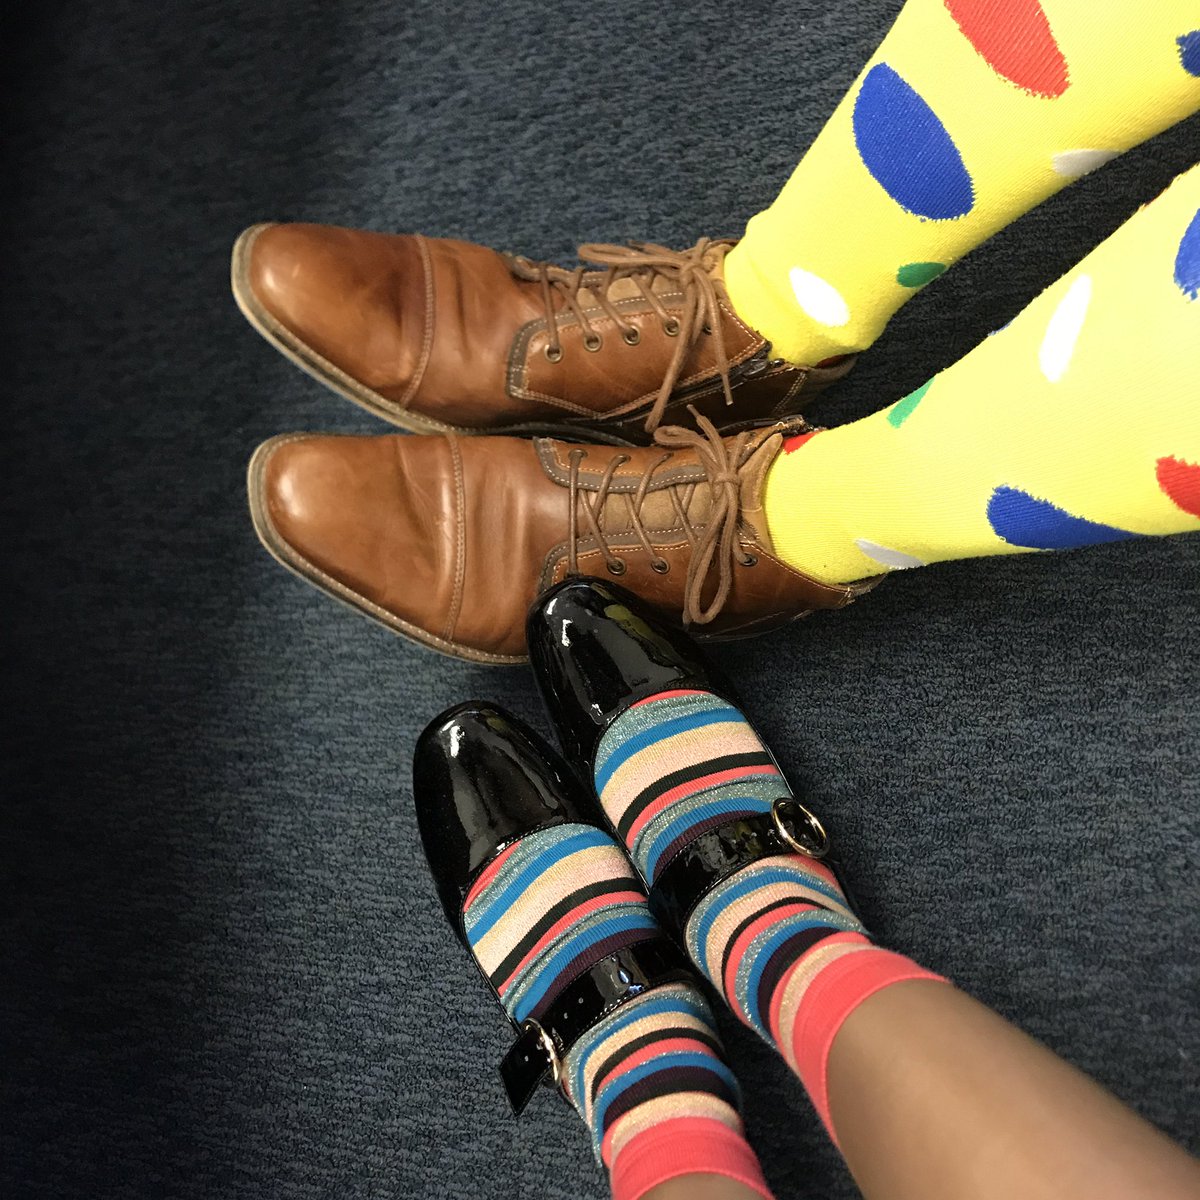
point(789, 828)
point(536, 1056)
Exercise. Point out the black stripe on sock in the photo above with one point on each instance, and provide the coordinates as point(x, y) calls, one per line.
point(648, 1039)
point(698, 770)
point(603, 888)
point(665, 1083)
point(791, 950)
point(759, 912)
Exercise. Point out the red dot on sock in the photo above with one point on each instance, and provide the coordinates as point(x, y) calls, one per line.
point(1016, 41)
point(1180, 483)
point(794, 443)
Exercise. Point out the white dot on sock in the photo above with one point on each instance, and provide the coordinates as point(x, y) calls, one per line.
point(1063, 329)
point(818, 297)
point(896, 559)
point(1074, 163)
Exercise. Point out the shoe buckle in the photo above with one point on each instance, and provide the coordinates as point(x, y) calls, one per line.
point(548, 1045)
point(799, 828)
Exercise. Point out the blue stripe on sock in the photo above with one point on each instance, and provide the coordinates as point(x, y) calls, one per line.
point(582, 933)
point(650, 1005)
point(480, 923)
point(738, 886)
point(760, 789)
point(746, 984)
point(666, 1062)
point(659, 733)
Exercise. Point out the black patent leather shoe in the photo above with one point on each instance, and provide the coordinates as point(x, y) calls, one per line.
point(596, 649)
point(482, 780)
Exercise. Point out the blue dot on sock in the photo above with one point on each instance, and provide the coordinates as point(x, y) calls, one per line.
point(1187, 260)
point(1189, 51)
point(1024, 520)
point(908, 150)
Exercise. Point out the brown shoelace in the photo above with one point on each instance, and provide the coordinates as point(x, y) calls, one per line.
point(640, 262)
point(715, 545)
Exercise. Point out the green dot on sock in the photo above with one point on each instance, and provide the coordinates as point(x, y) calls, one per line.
point(903, 409)
point(915, 275)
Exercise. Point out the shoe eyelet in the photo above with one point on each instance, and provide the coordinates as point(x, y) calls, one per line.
point(660, 565)
point(592, 342)
point(751, 560)
point(632, 336)
point(707, 327)
point(553, 353)
point(671, 328)
point(616, 567)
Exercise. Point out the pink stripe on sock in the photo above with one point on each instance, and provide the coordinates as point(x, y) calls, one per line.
point(488, 874)
point(668, 696)
point(688, 1146)
point(838, 939)
point(819, 868)
point(763, 921)
point(835, 992)
point(646, 1053)
point(572, 918)
point(686, 789)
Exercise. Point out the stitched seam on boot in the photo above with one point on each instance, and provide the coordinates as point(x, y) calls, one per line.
point(427, 340)
point(309, 570)
point(460, 539)
point(783, 408)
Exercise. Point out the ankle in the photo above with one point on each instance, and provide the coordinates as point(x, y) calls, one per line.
point(807, 321)
point(694, 1186)
point(651, 1084)
point(690, 1161)
point(808, 496)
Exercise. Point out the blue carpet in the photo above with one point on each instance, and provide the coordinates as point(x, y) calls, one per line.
point(225, 972)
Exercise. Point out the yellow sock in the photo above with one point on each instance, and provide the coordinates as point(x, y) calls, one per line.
point(969, 114)
point(1077, 423)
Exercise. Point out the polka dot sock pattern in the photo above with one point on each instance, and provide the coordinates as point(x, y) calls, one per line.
point(777, 939)
point(1075, 424)
point(970, 113)
point(650, 1079)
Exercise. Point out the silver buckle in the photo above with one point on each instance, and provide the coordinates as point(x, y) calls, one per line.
point(818, 846)
point(550, 1048)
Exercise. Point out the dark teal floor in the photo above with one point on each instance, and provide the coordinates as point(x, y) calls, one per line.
point(224, 970)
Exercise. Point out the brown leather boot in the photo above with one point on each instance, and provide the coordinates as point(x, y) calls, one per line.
point(439, 336)
point(448, 540)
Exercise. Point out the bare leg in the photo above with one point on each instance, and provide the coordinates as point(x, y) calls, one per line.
point(933, 1095)
point(929, 1095)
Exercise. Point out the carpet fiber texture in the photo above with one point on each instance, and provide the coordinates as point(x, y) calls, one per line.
point(225, 973)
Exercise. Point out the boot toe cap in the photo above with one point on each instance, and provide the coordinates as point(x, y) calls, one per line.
point(342, 298)
point(370, 521)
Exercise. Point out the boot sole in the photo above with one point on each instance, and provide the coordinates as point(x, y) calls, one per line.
point(287, 556)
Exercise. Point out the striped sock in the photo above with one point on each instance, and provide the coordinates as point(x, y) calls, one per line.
point(650, 1079)
point(777, 939)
